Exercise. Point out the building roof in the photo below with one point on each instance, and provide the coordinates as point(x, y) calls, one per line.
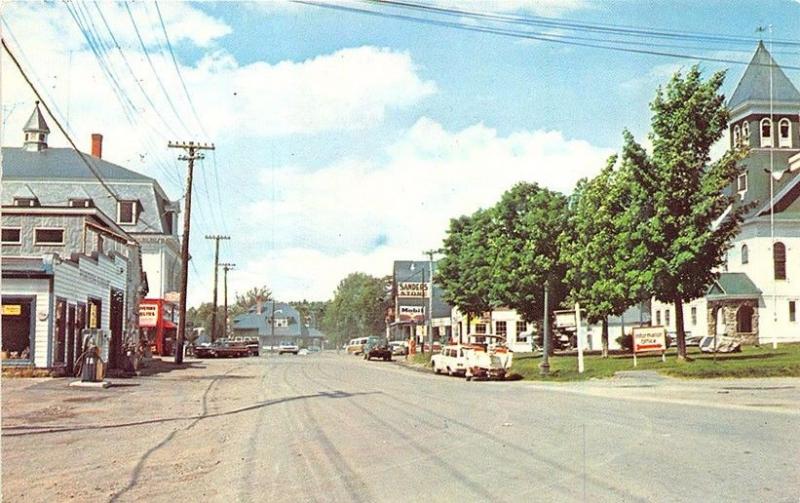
point(733, 285)
point(62, 164)
point(755, 83)
point(252, 320)
point(36, 122)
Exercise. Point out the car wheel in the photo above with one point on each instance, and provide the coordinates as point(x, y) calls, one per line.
point(469, 378)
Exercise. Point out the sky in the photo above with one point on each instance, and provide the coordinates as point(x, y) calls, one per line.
point(345, 141)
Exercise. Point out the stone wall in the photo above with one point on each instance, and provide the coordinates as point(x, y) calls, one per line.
point(729, 310)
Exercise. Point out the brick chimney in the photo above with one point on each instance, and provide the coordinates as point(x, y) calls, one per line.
point(97, 145)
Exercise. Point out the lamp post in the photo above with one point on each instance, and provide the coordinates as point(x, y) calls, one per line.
point(544, 367)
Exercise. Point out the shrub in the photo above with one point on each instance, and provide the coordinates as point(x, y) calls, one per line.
point(625, 342)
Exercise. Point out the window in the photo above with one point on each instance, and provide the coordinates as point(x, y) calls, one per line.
point(779, 260)
point(26, 201)
point(737, 136)
point(126, 212)
point(49, 236)
point(666, 317)
point(480, 328)
point(500, 328)
point(745, 133)
point(522, 327)
point(11, 236)
point(766, 132)
point(744, 319)
point(745, 255)
point(658, 317)
point(694, 315)
point(785, 133)
point(741, 182)
point(792, 311)
point(80, 203)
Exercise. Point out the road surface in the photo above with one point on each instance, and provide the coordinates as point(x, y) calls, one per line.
point(327, 427)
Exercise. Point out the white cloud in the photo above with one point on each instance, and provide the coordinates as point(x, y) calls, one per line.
point(538, 7)
point(361, 215)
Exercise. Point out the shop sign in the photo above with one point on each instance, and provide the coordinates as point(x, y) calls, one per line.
point(412, 313)
point(148, 315)
point(12, 309)
point(172, 296)
point(411, 289)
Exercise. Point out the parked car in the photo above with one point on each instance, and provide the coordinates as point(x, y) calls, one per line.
point(288, 347)
point(356, 346)
point(691, 340)
point(451, 360)
point(377, 348)
point(222, 349)
point(399, 348)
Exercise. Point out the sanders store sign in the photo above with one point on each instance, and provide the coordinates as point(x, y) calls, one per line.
point(412, 313)
point(410, 289)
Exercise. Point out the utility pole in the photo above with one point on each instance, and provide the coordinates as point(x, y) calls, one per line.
point(430, 253)
point(226, 267)
point(216, 238)
point(192, 152)
point(544, 366)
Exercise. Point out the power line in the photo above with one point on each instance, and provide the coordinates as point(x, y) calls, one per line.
point(80, 154)
point(542, 37)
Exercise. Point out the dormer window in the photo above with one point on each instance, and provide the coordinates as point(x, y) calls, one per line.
point(737, 136)
point(81, 203)
point(26, 201)
point(745, 133)
point(127, 212)
point(741, 183)
point(766, 133)
point(785, 133)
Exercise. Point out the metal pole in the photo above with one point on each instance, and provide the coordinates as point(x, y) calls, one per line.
point(192, 154)
point(544, 367)
point(578, 336)
point(427, 315)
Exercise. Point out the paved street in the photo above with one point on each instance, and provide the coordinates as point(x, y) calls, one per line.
point(329, 427)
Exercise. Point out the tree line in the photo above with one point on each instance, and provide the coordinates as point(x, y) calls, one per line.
point(649, 225)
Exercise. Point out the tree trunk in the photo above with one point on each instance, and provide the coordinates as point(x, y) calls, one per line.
point(604, 337)
point(681, 335)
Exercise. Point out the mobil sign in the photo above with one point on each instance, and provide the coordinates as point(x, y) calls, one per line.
point(412, 313)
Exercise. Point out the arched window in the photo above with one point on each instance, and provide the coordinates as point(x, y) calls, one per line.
point(744, 319)
point(737, 136)
point(785, 133)
point(745, 255)
point(766, 132)
point(779, 260)
point(745, 133)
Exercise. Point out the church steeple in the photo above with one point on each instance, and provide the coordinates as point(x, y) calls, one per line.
point(754, 86)
point(36, 132)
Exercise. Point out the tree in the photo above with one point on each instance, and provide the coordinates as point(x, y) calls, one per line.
point(201, 316)
point(524, 245)
point(684, 229)
point(596, 248)
point(464, 272)
point(249, 299)
point(358, 308)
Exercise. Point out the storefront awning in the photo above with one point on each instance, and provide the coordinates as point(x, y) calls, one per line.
point(168, 325)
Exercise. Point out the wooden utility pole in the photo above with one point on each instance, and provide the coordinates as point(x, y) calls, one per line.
point(226, 267)
point(429, 328)
point(216, 238)
point(192, 152)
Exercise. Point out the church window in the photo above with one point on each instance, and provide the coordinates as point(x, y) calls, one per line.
point(745, 133)
point(737, 136)
point(779, 260)
point(745, 255)
point(785, 133)
point(766, 132)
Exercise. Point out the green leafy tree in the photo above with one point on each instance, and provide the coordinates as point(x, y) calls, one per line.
point(683, 230)
point(201, 316)
point(596, 247)
point(528, 220)
point(243, 302)
point(465, 270)
point(358, 308)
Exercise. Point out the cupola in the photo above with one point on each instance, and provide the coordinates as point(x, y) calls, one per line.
point(36, 132)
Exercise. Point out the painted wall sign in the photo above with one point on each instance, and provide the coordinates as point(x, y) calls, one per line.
point(12, 309)
point(411, 289)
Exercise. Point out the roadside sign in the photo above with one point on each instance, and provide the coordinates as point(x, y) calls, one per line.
point(649, 340)
point(412, 313)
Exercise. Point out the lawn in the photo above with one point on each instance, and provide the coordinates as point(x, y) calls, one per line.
point(753, 361)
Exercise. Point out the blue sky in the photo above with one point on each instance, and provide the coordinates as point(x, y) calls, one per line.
point(346, 141)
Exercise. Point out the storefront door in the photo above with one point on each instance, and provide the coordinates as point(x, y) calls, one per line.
point(60, 346)
point(70, 339)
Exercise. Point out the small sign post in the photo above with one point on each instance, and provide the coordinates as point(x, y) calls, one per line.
point(649, 340)
point(578, 338)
